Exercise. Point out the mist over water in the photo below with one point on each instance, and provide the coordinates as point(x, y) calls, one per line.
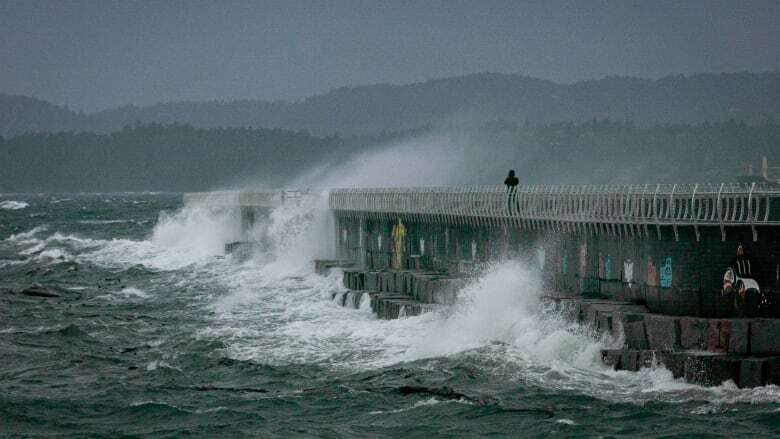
point(155, 322)
point(444, 156)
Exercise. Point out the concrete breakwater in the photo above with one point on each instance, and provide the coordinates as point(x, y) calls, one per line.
point(688, 276)
point(704, 351)
point(404, 293)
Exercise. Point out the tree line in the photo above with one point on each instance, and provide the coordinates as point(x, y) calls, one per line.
point(180, 157)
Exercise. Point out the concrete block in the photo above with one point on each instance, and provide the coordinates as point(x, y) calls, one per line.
point(635, 337)
point(611, 357)
point(371, 281)
point(590, 314)
point(752, 372)
point(426, 290)
point(419, 289)
point(663, 332)
point(710, 370)
point(773, 370)
point(398, 285)
point(765, 336)
point(604, 323)
point(646, 358)
point(731, 336)
point(693, 333)
point(739, 336)
point(629, 360)
point(724, 368)
point(674, 361)
point(404, 279)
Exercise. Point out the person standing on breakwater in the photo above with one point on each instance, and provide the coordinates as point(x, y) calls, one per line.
point(511, 189)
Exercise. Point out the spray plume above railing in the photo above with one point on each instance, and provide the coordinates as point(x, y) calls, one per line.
point(567, 207)
point(257, 198)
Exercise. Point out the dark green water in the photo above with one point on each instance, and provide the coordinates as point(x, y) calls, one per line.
point(154, 333)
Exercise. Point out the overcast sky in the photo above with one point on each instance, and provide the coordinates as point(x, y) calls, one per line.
point(93, 55)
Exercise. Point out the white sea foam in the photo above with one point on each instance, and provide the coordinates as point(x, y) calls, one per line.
point(13, 205)
point(101, 222)
point(134, 293)
point(274, 310)
point(27, 236)
point(497, 323)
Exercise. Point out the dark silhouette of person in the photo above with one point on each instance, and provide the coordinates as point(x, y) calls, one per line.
point(511, 188)
point(511, 181)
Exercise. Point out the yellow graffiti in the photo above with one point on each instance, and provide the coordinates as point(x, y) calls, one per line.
point(399, 235)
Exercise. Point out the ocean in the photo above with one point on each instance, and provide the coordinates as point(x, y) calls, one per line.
point(121, 316)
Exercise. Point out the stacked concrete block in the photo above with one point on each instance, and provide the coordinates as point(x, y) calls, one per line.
point(663, 332)
point(728, 335)
point(765, 336)
point(673, 361)
point(752, 372)
point(698, 367)
point(372, 281)
point(694, 333)
point(773, 370)
point(711, 370)
point(634, 331)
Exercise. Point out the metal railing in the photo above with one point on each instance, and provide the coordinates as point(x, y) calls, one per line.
point(612, 209)
point(267, 198)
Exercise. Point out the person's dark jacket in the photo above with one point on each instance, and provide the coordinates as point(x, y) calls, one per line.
point(511, 181)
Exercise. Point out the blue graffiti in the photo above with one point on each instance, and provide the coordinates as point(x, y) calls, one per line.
point(666, 274)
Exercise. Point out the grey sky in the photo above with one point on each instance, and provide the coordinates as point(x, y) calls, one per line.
point(97, 54)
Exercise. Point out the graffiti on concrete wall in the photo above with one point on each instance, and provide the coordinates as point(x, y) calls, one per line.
point(666, 273)
point(628, 272)
point(399, 236)
point(652, 273)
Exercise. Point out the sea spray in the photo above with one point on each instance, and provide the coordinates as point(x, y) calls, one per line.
point(13, 205)
point(246, 344)
point(199, 230)
point(296, 233)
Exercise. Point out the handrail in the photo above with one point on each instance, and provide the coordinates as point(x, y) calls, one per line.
point(723, 205)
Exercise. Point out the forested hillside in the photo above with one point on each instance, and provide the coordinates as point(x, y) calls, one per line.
point(182, 158)
point(467, 100)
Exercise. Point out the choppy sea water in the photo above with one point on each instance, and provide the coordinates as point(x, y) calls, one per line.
point(154, 332)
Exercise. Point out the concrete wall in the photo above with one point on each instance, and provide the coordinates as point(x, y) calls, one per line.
point(672, 273)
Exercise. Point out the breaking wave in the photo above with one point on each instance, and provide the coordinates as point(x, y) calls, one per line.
point(272, 309)
point(13, 205)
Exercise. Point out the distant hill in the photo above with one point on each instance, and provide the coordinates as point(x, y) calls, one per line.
point(182, 158)
point(20, 114)
point(472, 99)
